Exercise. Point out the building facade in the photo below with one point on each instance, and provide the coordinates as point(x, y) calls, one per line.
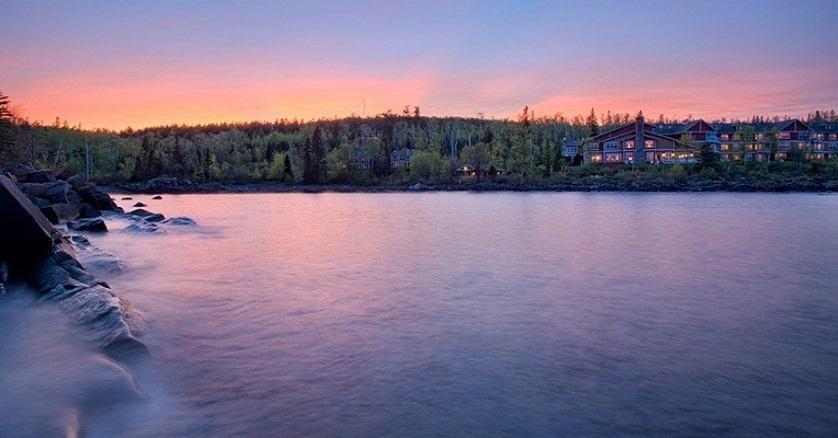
point(681, 142)
point(637, 142)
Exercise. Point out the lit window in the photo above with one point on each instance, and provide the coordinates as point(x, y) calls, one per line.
point(725, 137)
point(650, 144)
point(629, 144)
point(614, 158)
point(833, 136)
point(784, 136)
point(596, 158)
point(629, 157)
point(725, 147)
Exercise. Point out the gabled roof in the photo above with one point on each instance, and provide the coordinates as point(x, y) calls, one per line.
point(681, 128)
point(646, 128)
point(786, 123)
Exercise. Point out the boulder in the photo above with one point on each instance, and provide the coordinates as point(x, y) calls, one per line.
point(156, 217)
point(39, 202)
point(180, 221)
point(145, 227)
point(127, 198)
point(140, 204)
point(25, 233)
point(77, 182)
point(36, 190)
point(66, 211)
point(111, 320)
point(61, 173)
point(61, 192)
point(39, 176)
point(90, 225)
point(50, 213)
point(157, 197)
point(86, 211)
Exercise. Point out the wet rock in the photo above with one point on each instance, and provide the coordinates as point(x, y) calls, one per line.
point(127, 198)
point(157, 197)
point(140, 212)
point(79, 240)
point(89, 225)
point(110, 319)
point(140, 204)
point(145, 227)
point(182, 220)
point(147, 215)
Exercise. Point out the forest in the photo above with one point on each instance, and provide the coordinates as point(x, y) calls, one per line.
point(351, 150)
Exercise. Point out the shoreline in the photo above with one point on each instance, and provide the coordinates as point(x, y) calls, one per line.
point(809, 186)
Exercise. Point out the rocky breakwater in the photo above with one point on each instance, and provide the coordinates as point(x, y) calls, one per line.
point(36, 252)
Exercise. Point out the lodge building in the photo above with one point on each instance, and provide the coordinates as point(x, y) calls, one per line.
point(641, 142)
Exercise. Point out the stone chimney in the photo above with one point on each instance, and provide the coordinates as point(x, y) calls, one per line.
point(639, 140)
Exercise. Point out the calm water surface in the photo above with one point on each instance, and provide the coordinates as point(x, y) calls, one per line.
point(489, 314)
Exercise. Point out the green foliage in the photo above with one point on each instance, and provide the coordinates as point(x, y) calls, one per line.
point(428, 166)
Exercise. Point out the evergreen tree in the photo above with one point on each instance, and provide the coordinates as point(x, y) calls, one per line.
point(8, 153)
point(288, 174)
point(591, 124)
point(308, 166)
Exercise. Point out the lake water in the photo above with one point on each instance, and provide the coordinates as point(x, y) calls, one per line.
point(453, 314)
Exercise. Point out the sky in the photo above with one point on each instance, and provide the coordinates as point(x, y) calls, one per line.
point(114, 64)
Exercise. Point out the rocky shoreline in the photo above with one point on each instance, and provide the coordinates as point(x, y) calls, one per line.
point(585, 184)
point(40, 254)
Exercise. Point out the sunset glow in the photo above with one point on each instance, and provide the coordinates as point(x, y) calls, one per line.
point(132, 64)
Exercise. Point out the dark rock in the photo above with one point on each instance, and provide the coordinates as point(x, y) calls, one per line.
point(145, 227)
point(180, 221)
point(77, 182)
point(127, 198)
point(79, 240)
point(90, 225)
point(39, 202)
point(50, 213)
point(157, 197)
point(62, 173)
point(66, 211)
point(147, 215)
point(140, 212)
point(25, 233)
point(140, 204)
point(56, 192)
point(86, 211)
point(39, 176)
point(36, 190)
point(111, 320)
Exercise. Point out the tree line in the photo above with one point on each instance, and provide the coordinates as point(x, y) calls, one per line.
point(351, 150)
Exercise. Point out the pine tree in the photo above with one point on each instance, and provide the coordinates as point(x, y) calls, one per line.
point(591, 124)
point(308, 177)
point(7, 141)
point(288, 174)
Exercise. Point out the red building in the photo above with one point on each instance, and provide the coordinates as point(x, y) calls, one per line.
point(638, 142)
